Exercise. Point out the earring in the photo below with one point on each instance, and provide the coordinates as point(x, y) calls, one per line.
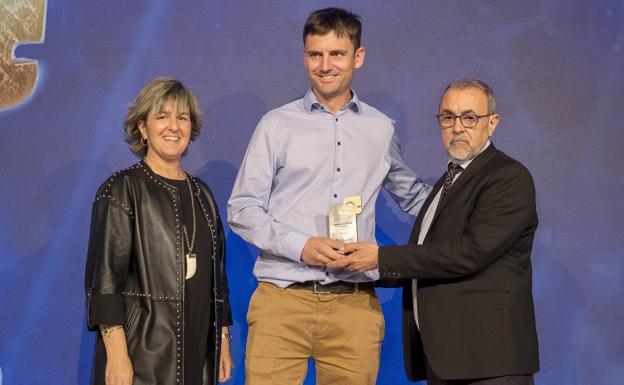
point(143, 141)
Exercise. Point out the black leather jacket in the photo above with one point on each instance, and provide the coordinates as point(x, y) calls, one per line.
point(135, 273)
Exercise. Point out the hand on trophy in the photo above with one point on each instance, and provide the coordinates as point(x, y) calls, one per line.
point(360, 256)
point(320, 251)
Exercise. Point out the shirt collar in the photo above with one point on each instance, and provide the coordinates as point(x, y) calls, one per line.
point(311, 103)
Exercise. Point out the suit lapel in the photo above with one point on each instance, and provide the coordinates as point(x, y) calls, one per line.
point(473, 169)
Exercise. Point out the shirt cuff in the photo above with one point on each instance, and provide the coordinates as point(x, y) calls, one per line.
point(294, 243)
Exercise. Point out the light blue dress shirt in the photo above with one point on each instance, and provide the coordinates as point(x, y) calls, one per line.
point(300, 159)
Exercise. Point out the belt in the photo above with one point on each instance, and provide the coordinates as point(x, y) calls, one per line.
point(338, 287)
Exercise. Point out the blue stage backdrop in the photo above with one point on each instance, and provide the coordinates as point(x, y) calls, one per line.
point(556, 66)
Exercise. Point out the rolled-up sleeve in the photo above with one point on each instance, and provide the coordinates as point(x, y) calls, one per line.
point(108, 258)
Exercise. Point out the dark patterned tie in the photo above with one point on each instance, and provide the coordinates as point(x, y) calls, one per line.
point(453, 169)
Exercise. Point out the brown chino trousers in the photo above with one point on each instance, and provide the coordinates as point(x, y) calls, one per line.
point(341, 332)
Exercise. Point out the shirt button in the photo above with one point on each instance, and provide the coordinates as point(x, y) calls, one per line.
point(336, 119)
point(339, 143)
point(338, 169)
point(335, 196)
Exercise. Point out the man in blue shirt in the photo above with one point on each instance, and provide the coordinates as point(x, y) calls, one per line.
point(304, 156)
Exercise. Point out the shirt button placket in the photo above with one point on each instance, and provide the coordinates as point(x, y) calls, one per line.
point(336, 153)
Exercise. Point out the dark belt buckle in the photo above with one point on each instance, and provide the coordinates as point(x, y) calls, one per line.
point(317, 288)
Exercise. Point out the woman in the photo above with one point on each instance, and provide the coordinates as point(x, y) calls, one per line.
point(155, 278)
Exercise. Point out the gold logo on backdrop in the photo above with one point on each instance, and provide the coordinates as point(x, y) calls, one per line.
point(21, 22)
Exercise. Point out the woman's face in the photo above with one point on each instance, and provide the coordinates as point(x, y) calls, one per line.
point(168, 132)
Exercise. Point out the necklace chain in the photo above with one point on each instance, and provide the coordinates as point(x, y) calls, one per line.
point(190, 244)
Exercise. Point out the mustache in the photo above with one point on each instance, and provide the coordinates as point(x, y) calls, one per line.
point(460, 138)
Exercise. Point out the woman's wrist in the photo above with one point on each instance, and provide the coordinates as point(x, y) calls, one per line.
point(107, 330)
point(114, 340)
point(225, 334)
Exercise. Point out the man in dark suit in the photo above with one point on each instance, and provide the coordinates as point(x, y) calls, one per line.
point(468, 258)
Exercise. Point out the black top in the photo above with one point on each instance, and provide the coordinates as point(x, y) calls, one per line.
point(198, 317)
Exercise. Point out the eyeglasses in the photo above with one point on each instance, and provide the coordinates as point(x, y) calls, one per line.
point(468, 121)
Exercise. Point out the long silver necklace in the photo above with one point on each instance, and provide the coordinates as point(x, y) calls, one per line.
point(191, 258)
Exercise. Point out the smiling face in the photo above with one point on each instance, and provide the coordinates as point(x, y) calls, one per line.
point(330, 62)
point(168, 133)
point(462, 144)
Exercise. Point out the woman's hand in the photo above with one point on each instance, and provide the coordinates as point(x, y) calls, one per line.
point(225, 361)
point(118, 365)
point(118, 370)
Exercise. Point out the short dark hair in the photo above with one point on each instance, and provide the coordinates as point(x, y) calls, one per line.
point(475, 83)
point(342, 22)
point(151, 100)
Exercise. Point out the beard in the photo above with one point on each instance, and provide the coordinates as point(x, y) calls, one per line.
point(460, 153)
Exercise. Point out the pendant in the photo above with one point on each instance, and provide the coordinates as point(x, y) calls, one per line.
point(191, 265)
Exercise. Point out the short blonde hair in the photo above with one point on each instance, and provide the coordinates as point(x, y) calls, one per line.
point(152, 99)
